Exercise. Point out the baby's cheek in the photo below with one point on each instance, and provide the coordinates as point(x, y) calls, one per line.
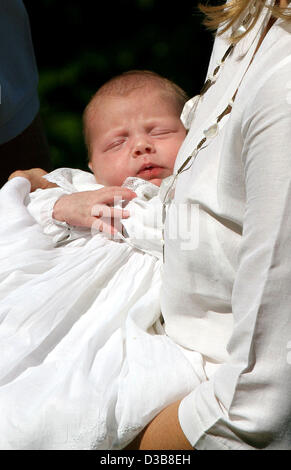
point(113, 174)
point(173, 152)
point(179, 142)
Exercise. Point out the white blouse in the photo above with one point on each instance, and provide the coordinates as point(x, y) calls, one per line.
point(227, 293)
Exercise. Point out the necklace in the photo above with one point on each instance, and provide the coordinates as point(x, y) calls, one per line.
point(167, 189)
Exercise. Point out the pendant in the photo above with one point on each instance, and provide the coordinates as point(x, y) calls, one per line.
point(211, 131)
point(189, 111)
point(239, 32)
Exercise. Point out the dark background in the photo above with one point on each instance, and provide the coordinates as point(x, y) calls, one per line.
point(81, 44)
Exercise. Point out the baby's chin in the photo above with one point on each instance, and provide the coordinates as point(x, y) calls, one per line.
point(156, 181)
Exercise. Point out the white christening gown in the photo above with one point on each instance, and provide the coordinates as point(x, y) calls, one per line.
point(84, 361)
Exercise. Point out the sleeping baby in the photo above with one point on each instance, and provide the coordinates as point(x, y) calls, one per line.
point(79, 305)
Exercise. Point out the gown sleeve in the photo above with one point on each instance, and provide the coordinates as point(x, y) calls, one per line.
point(42, 201)
point(40, 206)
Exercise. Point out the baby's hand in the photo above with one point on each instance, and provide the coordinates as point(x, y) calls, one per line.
point(35, 176)
point(93, 208)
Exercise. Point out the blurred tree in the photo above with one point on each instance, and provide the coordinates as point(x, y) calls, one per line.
point(81, 44)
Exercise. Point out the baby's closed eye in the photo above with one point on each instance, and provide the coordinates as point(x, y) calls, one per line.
point(161, 132)
point(115, 144)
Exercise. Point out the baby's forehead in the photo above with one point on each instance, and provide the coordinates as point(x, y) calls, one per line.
point(152, 100)
point(156, 94)
point(146, 91)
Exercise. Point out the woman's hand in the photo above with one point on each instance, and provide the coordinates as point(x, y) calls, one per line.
point(92, 208)
point(35, 176)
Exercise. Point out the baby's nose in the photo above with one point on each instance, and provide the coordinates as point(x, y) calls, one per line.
point(142, 148)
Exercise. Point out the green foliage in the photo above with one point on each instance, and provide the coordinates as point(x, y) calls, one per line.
point(81, 44)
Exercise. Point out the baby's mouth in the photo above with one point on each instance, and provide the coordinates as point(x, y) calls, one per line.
point(149, 171)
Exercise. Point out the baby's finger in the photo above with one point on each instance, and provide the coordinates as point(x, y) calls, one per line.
point(114, 195)
point(104, 226)
point(101, 210)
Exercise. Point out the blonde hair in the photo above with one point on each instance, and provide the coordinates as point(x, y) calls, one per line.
point(226, 15)
point(123, 85)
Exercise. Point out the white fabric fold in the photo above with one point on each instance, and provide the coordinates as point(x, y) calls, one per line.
point(79, 330)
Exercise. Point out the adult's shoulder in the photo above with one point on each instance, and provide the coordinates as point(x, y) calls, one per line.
point(18, 71)
point(268, 79)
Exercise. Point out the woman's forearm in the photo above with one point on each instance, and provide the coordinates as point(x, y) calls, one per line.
point(162, 433)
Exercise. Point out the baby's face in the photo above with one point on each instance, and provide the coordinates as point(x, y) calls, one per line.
point(138, 135)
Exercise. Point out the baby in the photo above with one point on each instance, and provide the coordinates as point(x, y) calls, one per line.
point(132, 128)
point(80, 322)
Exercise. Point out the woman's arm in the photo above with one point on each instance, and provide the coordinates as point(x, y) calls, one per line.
point(162, 433)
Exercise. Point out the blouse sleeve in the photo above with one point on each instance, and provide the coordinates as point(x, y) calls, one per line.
point(246, 403)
